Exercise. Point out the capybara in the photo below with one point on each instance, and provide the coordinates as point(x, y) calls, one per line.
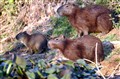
point(94, 18)
point(35, 42)
point(82, 47)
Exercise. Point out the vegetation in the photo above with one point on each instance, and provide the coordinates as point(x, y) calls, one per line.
point(15, 69)
point(62, 26)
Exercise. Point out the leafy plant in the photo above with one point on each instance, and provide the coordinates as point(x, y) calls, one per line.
point(46, 69)
point(11, 70)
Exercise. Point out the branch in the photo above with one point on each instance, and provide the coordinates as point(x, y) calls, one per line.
point(97, 62)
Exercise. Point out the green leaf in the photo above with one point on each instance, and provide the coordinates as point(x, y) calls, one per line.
point(67, 76)
point(19, 70)
point(50, 70)
point(91, 77)
point(86, 74)
point(52, 76)
point(1, 73)
point(40, 74)
point(88, 66)
point(33, 62)
point(70, 63)
point(11, 1)
point(6, 64)
point(20, 61)
point(81, 61)
point(9, 68)
point(41, 63)
point(31, 75)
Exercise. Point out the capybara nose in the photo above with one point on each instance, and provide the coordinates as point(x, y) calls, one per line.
point(17, 37)
point(49, 44)
point(59, 11)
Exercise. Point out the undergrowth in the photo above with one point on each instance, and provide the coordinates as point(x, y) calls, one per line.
point(18, 69)
point(62, 26)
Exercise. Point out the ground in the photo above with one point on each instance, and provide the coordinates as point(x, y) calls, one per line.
point(110, 65)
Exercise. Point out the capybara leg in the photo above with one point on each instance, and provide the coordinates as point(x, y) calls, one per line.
point(85, 32)
point(104, 23)
point(79, 33)
point(41, 51)
point(29, 50)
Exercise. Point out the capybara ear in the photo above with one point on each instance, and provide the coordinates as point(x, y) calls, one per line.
point(25, 32)
point(74, 4)
point(62, 36)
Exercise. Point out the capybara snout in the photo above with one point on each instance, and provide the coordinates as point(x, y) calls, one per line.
point(21, 35)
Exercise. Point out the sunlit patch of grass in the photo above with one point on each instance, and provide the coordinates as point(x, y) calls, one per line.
point(111, 37)
point(116, 51)
point(3, 36)
point(117, 60)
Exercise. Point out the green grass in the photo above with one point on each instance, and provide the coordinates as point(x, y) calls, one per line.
point(111, 37)
point(62, 26)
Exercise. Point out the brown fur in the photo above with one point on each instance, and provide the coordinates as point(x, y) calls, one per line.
point(83, 47)
point(36, 42)
point(93, 18)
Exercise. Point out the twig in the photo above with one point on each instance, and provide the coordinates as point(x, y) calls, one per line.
point(97, 62)
point(114, 70)
point(89, 61)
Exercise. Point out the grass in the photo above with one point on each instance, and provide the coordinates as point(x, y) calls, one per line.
point(117, 60)
point(111, 37)
point(62, 26)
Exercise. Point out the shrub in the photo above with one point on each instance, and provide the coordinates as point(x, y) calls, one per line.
point(13, 69)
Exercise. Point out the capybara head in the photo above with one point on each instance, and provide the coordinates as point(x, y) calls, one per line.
point(21, 36)
point(56, 44)
point(66, 10)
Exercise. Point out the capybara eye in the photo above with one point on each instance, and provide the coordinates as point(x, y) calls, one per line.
point(62, 3)
point(67, 6)
point(56, 39)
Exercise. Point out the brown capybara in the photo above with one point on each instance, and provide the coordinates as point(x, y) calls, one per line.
point(94, 18)
point(35, 42)
point(82, 47)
